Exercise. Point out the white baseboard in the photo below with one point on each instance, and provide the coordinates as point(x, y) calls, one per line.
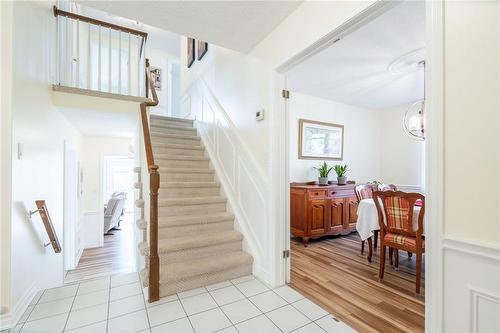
point(471, 286)
point(10, 319)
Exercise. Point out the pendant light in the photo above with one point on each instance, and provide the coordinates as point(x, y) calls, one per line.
point(414, 118)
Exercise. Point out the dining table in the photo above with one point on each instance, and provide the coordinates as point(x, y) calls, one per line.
point(367, 221)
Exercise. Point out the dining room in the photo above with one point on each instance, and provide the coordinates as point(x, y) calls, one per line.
point(356, 165)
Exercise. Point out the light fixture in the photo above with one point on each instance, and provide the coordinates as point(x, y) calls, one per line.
point(414, 118)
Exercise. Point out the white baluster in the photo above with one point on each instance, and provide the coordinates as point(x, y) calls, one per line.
point(89, 59)
point(99, 62)
point(78, 53)
point(109, 61)
point(119, 62)
point(129, 65)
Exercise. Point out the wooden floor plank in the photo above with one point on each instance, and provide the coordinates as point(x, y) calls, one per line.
point(332, 272)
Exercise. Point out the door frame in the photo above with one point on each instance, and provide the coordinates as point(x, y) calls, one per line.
point(434, 152)
point(69, 231)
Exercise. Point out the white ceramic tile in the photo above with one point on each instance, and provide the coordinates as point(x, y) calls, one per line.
point(165, 312)
point(126, 305)
point(252, 287)
point(310, 309)
point(87, 316)
point(198, 303)
point(91, 299)
point(26, 314)
point(219, 285)
point(288, 294)
point(37, 297)
point(288, 318)
point(54, 324)
point(309, 328)
point(209, 321)
point(125, 291)
point(93, 328)
point(48, 309)
point(268, 301)
point(227, 295)
point(177, 326)
point(58, 293)
point(260, 324)
point(122, 279)
point(331, 325)
point(243, 279)
point(132, 322)
point(192, 292)
point(230, 329)
point(240, 311)
point(93, 285)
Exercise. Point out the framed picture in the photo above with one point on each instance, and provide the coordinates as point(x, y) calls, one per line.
point(202, 49)
point(190, 51)
point(156, 76)
point(320, 141)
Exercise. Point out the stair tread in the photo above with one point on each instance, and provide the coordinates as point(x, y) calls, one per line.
point(183, 220)
point(174, 136)
point(194, 184)
point(197, 241)
point(186, 170)
point(183, 120)
point(175, 146)
point(191, 201)
point(175, 157)
point(162, 126)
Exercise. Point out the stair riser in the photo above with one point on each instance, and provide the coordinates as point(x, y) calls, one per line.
point(180, 141)
point(182, 164)
point(170, 193)
point(168, 288)
point(194, 229)
point(186, 177)
point(178, 152)
point(162, 122)
point(192, 209)
point(199, 253)
point(168, 130)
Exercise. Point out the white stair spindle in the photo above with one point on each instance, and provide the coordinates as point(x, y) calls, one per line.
point(109, 61)
point(99, 62)
point(119, 62)
point(129, 65)
point(89, 59)
point(77, 53)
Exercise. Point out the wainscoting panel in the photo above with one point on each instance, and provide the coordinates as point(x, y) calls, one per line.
point(471, 286)
point(242, 180)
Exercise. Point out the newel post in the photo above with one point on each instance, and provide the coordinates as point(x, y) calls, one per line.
point(154, 262)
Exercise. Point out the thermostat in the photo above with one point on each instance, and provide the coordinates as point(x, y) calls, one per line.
point(259, 115)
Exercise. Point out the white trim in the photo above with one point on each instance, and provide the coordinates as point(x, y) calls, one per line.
point(10, 319)
point(434, 149)
point(472, 247)
point(476, 294)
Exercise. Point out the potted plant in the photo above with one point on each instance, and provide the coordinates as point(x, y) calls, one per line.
point(341, 171)
point(323, 170)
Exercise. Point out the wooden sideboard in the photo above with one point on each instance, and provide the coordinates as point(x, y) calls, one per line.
point(317, 211)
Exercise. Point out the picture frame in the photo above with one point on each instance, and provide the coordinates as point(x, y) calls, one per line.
point(156, 77)
point(190, 52)
point(320, 140)
point(202, 49)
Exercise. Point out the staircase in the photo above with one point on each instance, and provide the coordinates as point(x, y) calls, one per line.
point(197, 244)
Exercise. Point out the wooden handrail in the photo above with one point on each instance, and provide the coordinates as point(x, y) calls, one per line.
point(81, 18)
point(154, 186)
point(47, 222)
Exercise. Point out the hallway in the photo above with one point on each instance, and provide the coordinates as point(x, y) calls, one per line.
point(115, 257)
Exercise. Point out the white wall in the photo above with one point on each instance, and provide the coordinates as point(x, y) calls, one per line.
point(402, 159)
point(361, 132)
point(37, 175)
point(93, 149)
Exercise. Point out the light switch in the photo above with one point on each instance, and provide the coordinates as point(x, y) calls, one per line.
point(259, 115)
point(19, 150)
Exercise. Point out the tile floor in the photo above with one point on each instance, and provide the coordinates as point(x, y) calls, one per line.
point(117, 304)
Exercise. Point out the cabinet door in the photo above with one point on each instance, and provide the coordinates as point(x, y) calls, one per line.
point(318, 216)
point(353, 211)
point(336, 214)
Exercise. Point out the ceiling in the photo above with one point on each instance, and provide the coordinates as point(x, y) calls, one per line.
point(237, 25)
point(373, 67)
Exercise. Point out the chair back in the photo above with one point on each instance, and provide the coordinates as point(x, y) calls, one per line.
point(387, 187)
point(398, 207)
point(364, 191)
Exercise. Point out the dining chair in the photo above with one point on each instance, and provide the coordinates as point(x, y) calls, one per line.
point(387, 187)
point(398, 232)
point(365, 191)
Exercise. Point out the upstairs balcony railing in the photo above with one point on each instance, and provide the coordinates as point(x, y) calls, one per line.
point(99, 56)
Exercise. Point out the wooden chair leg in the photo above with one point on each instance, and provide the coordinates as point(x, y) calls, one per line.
point(362, 247)
point(375, 240)
point(419, 271)
point(410, 255)
point(370, 249)
point(382, 262)
point(396, 258)
point(391, 251)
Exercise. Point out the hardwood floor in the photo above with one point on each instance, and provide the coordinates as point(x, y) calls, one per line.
point(115, 257)
point(333, 273)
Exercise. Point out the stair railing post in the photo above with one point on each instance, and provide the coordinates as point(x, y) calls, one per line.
point(154, 262)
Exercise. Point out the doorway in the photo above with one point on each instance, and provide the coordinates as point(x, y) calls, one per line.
point(71, 223)
point(291, 143)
